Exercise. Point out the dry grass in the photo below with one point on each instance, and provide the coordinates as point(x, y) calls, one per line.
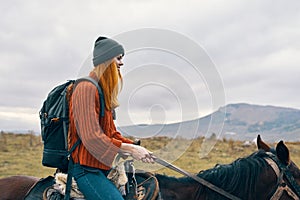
point(22, 154)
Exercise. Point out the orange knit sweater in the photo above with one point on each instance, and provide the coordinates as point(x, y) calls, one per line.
point(100, 141)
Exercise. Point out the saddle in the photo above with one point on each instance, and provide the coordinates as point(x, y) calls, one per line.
point(37, 190)
point(133, 185)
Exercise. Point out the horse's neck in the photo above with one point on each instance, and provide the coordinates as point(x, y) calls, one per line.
point(176, 188)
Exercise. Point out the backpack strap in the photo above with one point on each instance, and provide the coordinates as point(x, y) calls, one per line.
point(90, 79)
point(70, 170)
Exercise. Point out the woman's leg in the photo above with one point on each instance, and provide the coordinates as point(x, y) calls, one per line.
point(94, 185)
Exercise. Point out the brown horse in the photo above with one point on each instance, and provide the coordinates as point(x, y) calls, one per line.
point(265, 174)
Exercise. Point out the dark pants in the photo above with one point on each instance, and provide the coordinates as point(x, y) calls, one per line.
point(94, 185)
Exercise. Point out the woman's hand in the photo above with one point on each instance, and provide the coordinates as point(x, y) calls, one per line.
point(137, 152)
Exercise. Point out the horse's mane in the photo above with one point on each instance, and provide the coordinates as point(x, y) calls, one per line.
point(238, 178)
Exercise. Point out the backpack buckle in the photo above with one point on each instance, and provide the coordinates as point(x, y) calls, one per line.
point(55, 119)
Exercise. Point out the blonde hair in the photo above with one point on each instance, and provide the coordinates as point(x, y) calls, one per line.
point(111, 82)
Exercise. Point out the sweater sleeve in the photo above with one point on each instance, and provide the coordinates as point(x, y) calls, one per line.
point(117, 135)
point(102, 147)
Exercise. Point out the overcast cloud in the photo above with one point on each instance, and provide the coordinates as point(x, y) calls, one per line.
point(254, 45)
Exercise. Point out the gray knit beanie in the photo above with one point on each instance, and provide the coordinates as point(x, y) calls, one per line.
point(106, 49)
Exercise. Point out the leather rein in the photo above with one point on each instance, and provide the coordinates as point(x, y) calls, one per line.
point(196, 178)
point(279, 169)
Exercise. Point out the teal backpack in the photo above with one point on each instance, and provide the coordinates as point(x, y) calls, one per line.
point(54, 120)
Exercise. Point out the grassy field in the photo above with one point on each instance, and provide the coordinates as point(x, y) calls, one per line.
point(22, 154)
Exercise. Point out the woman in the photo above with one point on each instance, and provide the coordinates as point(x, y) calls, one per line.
point(100, 139)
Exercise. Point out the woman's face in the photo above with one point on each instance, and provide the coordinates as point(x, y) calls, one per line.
point(118, 60)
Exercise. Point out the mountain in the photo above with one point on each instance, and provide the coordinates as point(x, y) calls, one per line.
point(237, 121)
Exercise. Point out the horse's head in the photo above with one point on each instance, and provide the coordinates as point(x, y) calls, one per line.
point(287, 173)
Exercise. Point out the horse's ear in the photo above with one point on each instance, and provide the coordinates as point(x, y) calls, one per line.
point(283, 153)
point(262, 145)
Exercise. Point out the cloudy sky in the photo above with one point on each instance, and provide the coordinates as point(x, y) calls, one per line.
point(253, 46)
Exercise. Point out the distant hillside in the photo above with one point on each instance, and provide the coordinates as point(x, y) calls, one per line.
point(238, 121)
